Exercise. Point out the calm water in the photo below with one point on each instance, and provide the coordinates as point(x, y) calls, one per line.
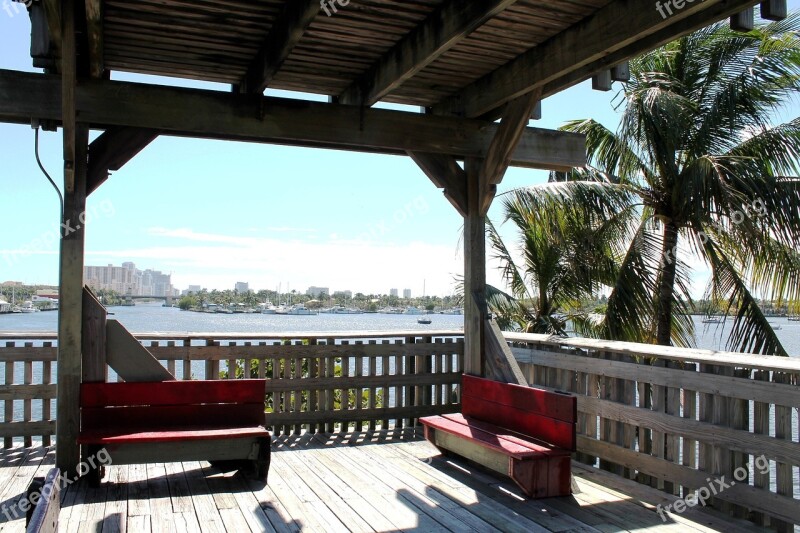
point(153, 317)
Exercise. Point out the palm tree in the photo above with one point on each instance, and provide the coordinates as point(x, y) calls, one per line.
point(567, 254)
point(711, 174)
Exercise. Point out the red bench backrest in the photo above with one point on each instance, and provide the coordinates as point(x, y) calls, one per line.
point(544, 415)
point(170, 404)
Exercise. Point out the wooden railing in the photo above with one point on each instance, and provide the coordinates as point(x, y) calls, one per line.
point(319, 382)
point(680, 419)
point(28, 390)
point(671, 418)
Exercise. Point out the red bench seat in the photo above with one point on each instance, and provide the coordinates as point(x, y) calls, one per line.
point(145, 422)
point(523, 432)
point(177, 434)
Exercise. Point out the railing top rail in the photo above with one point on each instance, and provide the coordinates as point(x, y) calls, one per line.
point(176, 335)
point(28, 335)
point(762, 362)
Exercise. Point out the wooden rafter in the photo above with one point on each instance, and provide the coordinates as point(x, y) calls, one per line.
point(226, 116)
point(111, 150)
point(286, 32)
point(445, 28)
point(584, 49)
point(94, 36)
point(444, 172)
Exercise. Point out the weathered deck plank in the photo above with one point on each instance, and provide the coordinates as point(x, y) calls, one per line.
point(380, 482)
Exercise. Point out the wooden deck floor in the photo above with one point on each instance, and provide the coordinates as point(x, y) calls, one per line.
point(386, 482)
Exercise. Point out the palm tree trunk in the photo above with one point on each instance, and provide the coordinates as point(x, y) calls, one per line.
point(666, 286)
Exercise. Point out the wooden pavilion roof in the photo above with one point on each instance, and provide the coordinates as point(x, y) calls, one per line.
point(452, 56)
point(201, 40)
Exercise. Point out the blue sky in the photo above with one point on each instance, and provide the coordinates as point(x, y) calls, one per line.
point(213, 213)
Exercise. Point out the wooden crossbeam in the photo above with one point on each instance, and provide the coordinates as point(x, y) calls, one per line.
point(111, 150)
point(227, 116)
point(286, 32)
point(587, 47)
point(444, 172)
point(94, 35)
point(445, 28)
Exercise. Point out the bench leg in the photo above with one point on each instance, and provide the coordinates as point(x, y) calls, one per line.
point(261, 466)
point(544, 477)
point(97, 473)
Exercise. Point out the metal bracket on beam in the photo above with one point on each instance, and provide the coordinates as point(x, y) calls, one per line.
point(744, 20)
point(774, 10)
point(602, 81)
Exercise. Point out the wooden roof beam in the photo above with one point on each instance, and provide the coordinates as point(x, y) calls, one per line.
point(112, 150)
point(445, 28)
point(94, 36)
point(589, 46)
point(227, 116)
point(286, 32)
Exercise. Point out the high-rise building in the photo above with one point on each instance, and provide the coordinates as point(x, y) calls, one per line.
point(406, 293)
point(127, 279)
point(242, 287)
point(314, 292)
point(393, 292)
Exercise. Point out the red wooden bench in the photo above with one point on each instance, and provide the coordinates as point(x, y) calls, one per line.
point(523, 432)
point(146, 422)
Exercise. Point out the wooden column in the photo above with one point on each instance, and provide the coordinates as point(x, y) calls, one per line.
point(474, 270)
point(76, 142)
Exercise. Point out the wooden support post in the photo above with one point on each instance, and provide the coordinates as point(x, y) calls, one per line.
point(474, 270)
point(70, 315)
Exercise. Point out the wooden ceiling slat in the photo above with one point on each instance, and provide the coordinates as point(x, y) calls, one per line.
point(219, 40)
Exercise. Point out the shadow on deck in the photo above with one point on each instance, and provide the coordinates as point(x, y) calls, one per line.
point(360, 482)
